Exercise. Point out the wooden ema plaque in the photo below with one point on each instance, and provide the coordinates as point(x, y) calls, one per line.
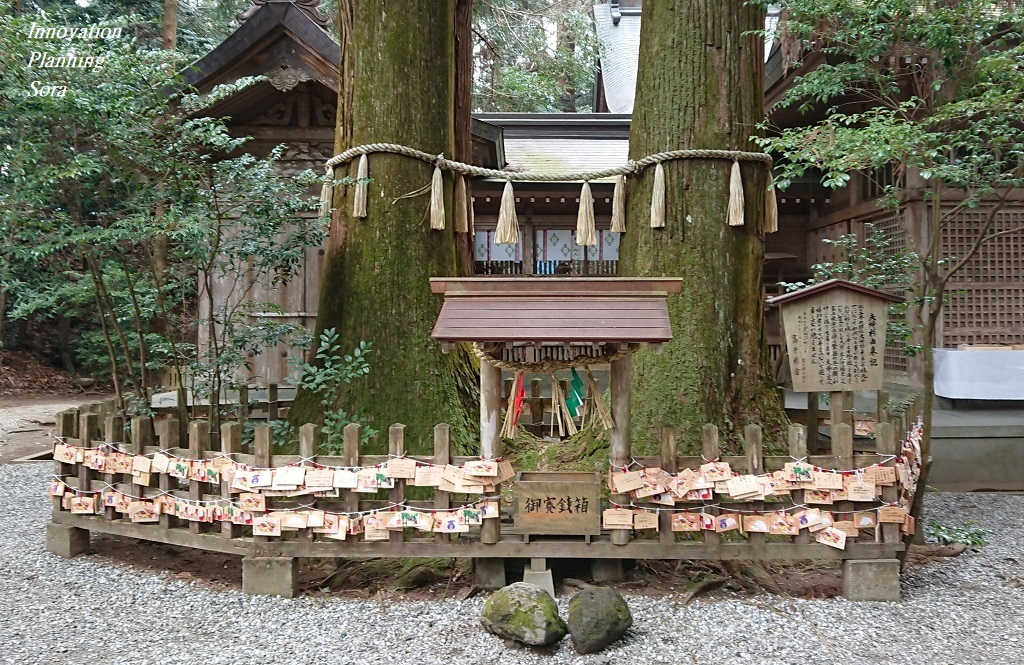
point(557, 503)
point(835, 336)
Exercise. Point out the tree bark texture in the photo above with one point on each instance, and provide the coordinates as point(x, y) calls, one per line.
point(398, 67)
point(699, 85)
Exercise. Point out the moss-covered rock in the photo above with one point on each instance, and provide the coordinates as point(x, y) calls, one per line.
point(598, 616)
point(525, 613)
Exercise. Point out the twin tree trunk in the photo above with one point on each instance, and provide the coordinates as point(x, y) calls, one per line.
point(700, 85)
point(398, 85)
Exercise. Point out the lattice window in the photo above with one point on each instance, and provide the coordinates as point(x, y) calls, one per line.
point(986, 304)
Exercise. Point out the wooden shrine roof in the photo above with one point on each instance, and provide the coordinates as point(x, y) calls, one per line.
point(554, 309)
point(828, 285)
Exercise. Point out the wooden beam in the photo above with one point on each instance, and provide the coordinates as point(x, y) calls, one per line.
point(621, 382)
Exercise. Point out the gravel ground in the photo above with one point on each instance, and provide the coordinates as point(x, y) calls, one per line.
point(85, 611)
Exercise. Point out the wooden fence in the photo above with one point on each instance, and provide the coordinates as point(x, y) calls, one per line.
point(127, 483)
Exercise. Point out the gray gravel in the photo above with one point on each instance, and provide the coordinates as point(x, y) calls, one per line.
point(965, 610)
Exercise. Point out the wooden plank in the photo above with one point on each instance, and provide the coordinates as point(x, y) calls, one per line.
point(113, 433)
point(578, 286)
point(350, 437)
point(230, 444)
point(87, 424)
point(142, 436)
point(668, 463)
point(261, 447)
point(198, 443)
point(168, 440)
point(272, 403)
point(512, 547)
point(798, 451)
point(66, 429)
point(490, 435)
point(620, 453)
point(753, 446)
point(396, 448)
point(709, 451)
point(885, 438)
point(813, 418)
point(842, 447)
point(442, 454)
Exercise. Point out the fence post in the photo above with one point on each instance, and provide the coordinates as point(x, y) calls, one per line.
point(621, 384)
point(798, 451)
point(169, 439)
point(113, 432)
point(813, 417)
point(261, 449)
point(272, 403)
point(490, 437)
point(753, 446)
point(885, 438)
point(442, 456)
point(351, 456)
point(67, 426)
point(396, 448)
point(230, 444)
point(198, 443)
point(668, 463)
point(87, 426)
point(709, 451)
point(842, 448)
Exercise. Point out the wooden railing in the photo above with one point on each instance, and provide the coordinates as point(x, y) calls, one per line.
point(203, 510)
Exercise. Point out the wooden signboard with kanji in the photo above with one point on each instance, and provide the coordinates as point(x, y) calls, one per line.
point(835, 336)
point(558, 503)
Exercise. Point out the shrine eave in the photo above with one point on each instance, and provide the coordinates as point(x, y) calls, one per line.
point(599, 310)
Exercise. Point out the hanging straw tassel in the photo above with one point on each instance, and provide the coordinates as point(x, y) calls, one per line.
point(437, 200)
point(658, 198)
point(619, 205)
point(359, 199)
point(736, 195)
point(508, 224)
point(771, 211)
point(461, 212)
point(585, 234)
point(327, 193)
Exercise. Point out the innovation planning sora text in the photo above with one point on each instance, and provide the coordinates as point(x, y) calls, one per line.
point(62, 53)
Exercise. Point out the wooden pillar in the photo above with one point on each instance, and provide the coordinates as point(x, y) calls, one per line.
point(798, 444)
point(198, 444)
point(836, 405)
point(396, 496)
point(753, 446)
point(490, 433)
point(813, 405)
point(113, 432)
point(618, 436)
point(230, 445)
point(668, 463)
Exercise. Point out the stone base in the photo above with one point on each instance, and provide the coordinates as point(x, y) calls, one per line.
point(489, 573)
point(875, 580)
point(541, 578)
point(608, 571)
point(66, 541)
point(270, 576)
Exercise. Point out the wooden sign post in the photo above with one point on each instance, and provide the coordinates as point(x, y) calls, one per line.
point(835, 335)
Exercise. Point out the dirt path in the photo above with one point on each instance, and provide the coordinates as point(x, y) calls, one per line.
point(27, 423)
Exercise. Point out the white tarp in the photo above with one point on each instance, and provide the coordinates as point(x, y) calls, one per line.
point(979, 374)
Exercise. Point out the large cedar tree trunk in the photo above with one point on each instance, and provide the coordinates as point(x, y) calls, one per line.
point(397, 86)
point(699, 85)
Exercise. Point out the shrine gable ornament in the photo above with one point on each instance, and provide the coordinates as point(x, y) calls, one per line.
point(835, 335)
